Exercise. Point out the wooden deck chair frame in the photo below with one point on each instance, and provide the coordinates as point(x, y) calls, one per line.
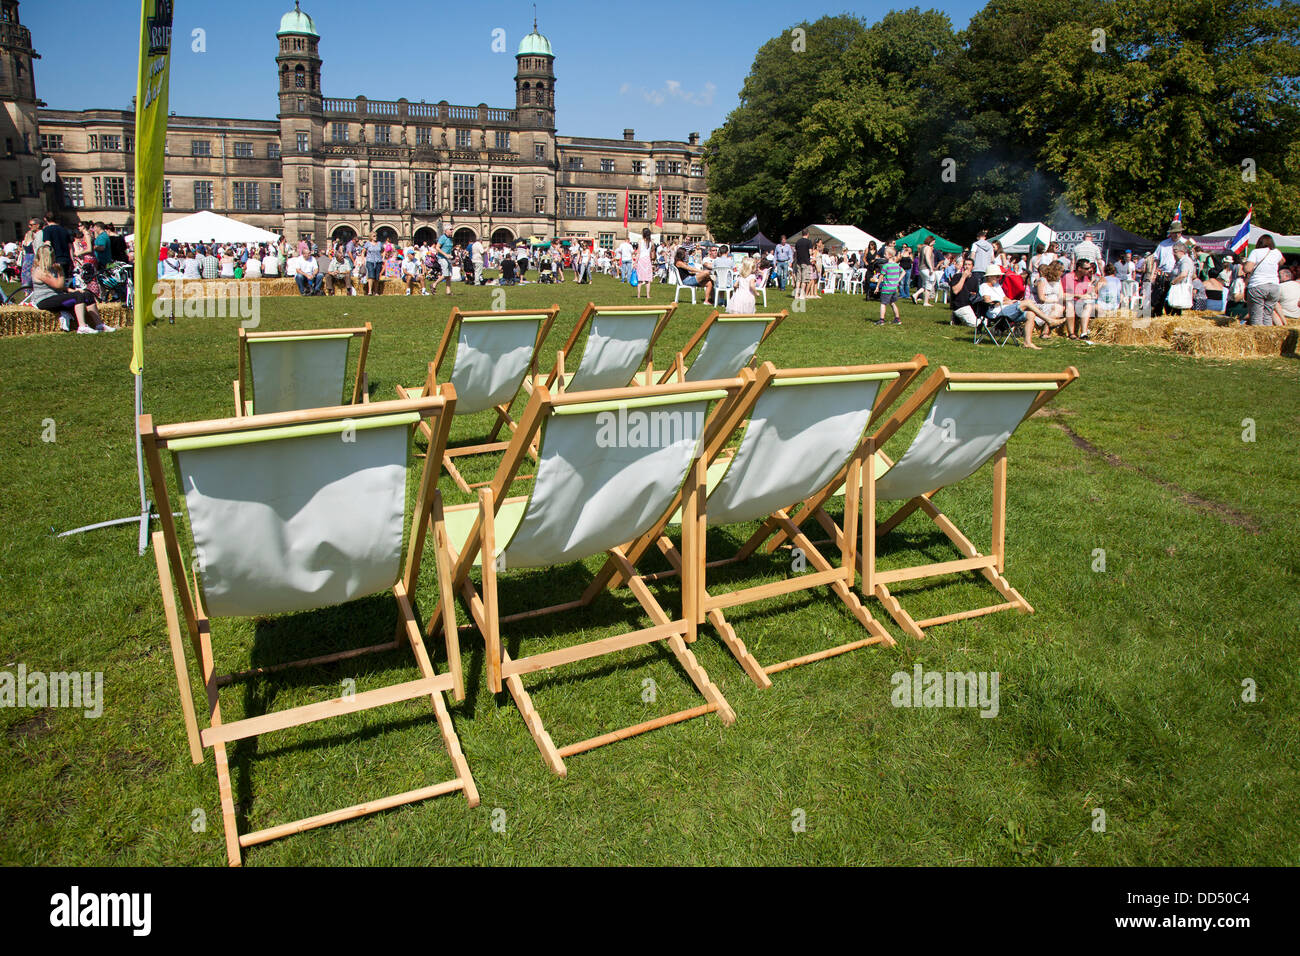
point(558, 379)
point(447, 351)
point(502, 670)
point(219, 733)
point(677, 367)
point(693, 563)
point(360, 388)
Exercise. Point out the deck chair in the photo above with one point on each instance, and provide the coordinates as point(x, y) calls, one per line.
point(620, 345)
point(971, 418)
point(807, 431)
point(496, 352)
point(727, 344)
point(292, 371)
point(289, 512)
point(593, 492)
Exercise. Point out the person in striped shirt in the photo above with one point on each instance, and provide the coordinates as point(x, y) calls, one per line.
point(891, 280)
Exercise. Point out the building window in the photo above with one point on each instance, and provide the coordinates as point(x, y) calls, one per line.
point(574, 162)
point(605, 240)
point(304, 198)
point(423, 136)
point(304, 142)
point(338, 132)
point(462, 192)
point(575, 205)
point(638, 167)
point(51, 142)
point(539, 205)
point(503, 194)
point(637, 206)
point(697, 169)
point(110, 143)
point(383, 134)
point(424, 191)
point(203, 195)
point(198, 147)
point(299, 77)
point(93, 139)
point(672, 207)
point(245, 195)
point(130, 143)
point(301, 104)
point(167, 194)
point(72, 192)
point(697, 209)
point(464, 139)
point(243, 150)
point(343, 188)
point(272, 150)
point(674, 167)
point(539, 151)
point(277, 200)
point(606, 165)
point(503, 140)
point(606, 205)
point(661, 167)
point(383, 189)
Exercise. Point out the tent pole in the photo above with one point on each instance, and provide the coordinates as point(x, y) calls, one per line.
point(146, 506)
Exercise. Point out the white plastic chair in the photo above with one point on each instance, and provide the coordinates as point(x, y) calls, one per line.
point(675, 280)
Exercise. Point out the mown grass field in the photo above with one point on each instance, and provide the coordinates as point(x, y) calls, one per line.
point(1124, 692)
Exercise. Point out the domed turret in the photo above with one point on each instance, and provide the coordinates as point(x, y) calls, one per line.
point(535, 81)
point(295, 21)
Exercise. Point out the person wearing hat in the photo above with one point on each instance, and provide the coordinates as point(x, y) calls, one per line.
point(994, 299)
point(1163, 266)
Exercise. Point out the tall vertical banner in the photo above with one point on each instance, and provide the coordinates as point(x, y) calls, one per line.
point(150, 139)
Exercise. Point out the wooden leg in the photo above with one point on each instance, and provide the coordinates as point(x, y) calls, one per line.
point(456, 475)
point(1000, 508)
point(447, 600)
point(177, 648)
point(900, 616)
point(492, 634)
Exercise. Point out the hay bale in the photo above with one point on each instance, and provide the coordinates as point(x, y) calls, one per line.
point(1205, 339)
point(29, 320)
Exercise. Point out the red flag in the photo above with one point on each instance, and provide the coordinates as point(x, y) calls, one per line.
point(659, 213)
point(625, 198)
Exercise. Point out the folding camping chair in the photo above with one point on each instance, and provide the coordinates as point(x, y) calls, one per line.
point(293, 371)
point(807, 432)
point(999, 330)
point(295, 511)
point(620, 344)
point(971, 418)
point(597, 486)
point(727, 344)
point(496, 352)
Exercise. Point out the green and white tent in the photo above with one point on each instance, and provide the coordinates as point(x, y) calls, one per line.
point(915, 239)
point(1026, 237)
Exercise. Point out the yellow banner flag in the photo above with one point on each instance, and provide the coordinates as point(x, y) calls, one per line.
point(150, 140)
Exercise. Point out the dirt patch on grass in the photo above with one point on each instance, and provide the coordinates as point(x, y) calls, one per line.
point(1225, 513)
point(34, 727)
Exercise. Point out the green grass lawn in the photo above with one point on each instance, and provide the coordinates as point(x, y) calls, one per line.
point(1124, 692)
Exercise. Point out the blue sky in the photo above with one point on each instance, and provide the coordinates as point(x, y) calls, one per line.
point(617, 64)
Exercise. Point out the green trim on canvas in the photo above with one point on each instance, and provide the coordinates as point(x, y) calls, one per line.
point(828, 379)
point(503, 318)
point(335, 427)
point(299, 338)
point(650, 401)
point(1000, 386)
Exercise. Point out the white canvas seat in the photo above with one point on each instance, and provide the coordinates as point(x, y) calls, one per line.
point(726, 344)
point(292, 371)
point(495, 353)
point(619, 346)
point(611, 465)
point(807, 431)
point(971, 417)
point(292, 512)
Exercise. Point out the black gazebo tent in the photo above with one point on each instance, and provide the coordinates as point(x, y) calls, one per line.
point(1112, 240)
point(758, 241)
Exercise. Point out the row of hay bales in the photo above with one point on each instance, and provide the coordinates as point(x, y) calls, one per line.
point(27, 320)
point(1204, 334)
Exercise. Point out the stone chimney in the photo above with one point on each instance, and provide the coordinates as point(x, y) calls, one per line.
point(629, 134)
point(693, 139)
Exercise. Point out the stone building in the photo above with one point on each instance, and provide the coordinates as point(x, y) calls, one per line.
point(330, 167)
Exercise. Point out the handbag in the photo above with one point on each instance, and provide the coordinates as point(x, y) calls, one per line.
point(632, 277)
point(1180, 295)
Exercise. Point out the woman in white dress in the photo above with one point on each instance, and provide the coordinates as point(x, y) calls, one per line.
point(741, 301)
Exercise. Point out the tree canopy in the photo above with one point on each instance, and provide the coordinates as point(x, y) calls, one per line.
point(1038, 109)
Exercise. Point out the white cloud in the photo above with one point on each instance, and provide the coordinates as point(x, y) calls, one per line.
point(673, 90)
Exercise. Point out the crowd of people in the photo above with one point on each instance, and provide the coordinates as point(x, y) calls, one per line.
point(69, 272)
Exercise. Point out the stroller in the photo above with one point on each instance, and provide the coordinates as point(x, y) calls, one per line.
point(115, 282)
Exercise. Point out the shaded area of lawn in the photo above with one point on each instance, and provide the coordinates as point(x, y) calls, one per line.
point(1123, 692)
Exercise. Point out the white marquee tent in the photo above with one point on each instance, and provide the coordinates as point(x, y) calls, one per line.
point(851, 238)
point(207, 226)
point(1025, 237)
point(1284, 243)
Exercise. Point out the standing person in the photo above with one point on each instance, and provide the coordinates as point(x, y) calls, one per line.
point(1183, 272)
point(742, 300)
point(644, 265)
point(891, 278)
point(804, 278)
point(374, 265)
point(100, 244)
point(982, 254)
point(928, 276)
point(1087, 251)
point(781, 258)
point(624, 254)
point(905, 262)
point(1263, 282)
point(60, 241)
point(31, 242)
point(1162, 266)
point(476, 257)
point(445, 249)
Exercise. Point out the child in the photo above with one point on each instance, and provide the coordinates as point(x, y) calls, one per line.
point(891, 278)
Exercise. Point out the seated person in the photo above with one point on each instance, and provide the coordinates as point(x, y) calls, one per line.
point(308, 276)
point(508, 274)
point(411, 276)
point(50, 292)
point(997, 305)
point(1110, 292)
point(338, 274)
point(692, 277)
point(1287, 310)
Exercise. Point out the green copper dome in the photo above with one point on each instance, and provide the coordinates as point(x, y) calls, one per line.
point(295, 21)
point(535, 45)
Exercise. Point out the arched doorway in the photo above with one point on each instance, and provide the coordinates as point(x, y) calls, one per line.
point(502, 237)
point(424, 236)
point(343, 234)
point(464, 236)
point(387, 234)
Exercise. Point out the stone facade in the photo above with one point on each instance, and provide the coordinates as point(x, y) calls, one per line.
point(330, 167)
